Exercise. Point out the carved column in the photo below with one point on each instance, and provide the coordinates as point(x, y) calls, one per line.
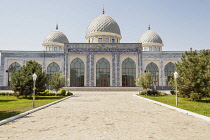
point(118, 69)
point(115, 69)
point(65, 68)
point(140, 61)
point(90, 70)
point(161, 73)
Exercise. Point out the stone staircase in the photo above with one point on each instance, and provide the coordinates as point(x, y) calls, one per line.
point(102, 88)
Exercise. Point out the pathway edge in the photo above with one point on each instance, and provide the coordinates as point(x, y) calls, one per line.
point(177, 109)
point(30, 111)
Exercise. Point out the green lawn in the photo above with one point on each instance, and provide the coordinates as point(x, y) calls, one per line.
point(10, 105)
point(201, 107)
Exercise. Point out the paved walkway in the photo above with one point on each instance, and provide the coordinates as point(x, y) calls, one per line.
point(106, 116)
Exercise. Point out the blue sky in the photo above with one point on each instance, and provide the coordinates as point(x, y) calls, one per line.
point(182, 24)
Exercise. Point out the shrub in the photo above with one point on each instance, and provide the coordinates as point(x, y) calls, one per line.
point(150, 93)
point(172, 92)
point(45, 93)
point(6, 94)
point(69, 93)
point(153, 93)
point(165, 94)
point(63, 92)
point(143, 93)
point(195, 96)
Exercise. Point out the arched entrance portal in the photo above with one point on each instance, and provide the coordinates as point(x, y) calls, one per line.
point(14, 67)
point(154, 71)
point(169, 71)
point(77, 73)
point(52, 68)
point(103, 73)
point(128, 73)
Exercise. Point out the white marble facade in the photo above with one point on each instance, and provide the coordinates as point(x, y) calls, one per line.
point(102, 61)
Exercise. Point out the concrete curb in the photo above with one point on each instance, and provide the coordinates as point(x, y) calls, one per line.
point(177, 109)
point(31, 111)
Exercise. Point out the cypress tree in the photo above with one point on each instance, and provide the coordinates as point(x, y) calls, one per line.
point(22, 81)
point(194, 76)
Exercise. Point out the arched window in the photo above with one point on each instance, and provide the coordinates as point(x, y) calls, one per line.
point(77, 73)
point(100, 39)
point(128, 73)
point(14, 67)
point(55, 48)
point(155, 48)
point(107, 39)
point(52, 68)
point(150, 48)
point(46, 48)
point(103, 73)
point(113, 41)
point(51, 48)
point(154, 71)
point(169, 71)
point(93, 40)
point(60, 48)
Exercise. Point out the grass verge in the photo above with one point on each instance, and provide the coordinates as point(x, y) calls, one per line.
point(11, 106)
point(201, 107)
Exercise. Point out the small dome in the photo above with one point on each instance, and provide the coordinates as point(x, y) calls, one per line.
point(56, 36)
point(150, 37)
point(103, 23)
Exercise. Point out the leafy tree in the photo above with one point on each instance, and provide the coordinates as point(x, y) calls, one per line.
point(194, 74)
point(57, 80)
point(22, 81)
point(144, 79)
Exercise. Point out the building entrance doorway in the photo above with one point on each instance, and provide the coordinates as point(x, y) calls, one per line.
point(127, 81)
point(103, 82)
point(77, 71)
point(128, 73)
point(103, 73)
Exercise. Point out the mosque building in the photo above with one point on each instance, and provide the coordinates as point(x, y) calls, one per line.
point(101, 62)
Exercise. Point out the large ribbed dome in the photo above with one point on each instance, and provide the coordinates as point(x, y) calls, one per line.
point(150, 37)
point(56, 36)
point(103, 23)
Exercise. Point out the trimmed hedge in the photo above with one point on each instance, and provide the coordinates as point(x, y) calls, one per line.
point(61, 93)
point(6, 94)
point(45, 93)
point(152, 93)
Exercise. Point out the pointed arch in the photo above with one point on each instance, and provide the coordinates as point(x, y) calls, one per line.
point(128, 73)
point(52, 68)
point(14, 67)
point(77, 70)
point(154, 71)
point(103, 73)
point(169, 70)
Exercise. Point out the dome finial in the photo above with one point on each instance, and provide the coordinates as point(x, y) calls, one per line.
point(103, 12)
point(149, 27)
point(57, 26)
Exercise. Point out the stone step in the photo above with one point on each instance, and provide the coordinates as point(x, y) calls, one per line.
point(102, 88)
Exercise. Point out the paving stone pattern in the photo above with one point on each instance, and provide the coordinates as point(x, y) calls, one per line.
point(106, 116)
